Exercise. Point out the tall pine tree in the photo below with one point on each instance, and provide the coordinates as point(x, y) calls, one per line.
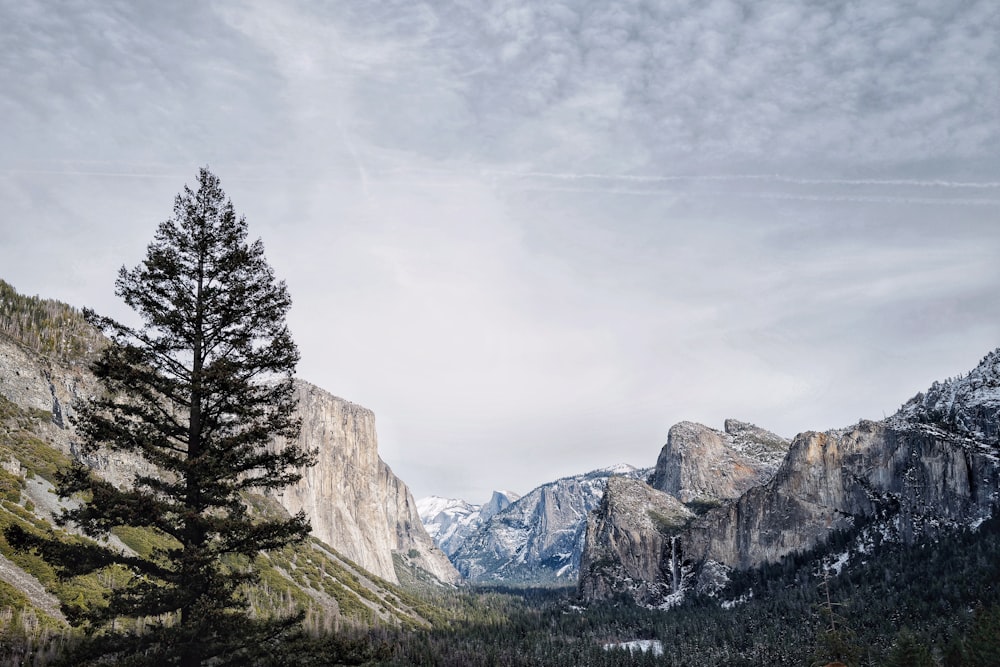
point(197, 392)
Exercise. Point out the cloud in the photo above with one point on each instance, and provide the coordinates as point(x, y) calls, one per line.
point(540, 232)
point(706, 82)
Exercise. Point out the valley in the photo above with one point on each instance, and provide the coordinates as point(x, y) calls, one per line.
point(739, 546)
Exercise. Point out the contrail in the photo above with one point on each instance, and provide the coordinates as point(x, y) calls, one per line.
point(776, 178)
point(883, 199)
point(149, 171)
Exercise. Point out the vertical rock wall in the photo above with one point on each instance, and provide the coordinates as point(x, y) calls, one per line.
point(354, 501)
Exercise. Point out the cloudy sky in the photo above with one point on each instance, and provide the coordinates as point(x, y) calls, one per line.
point(531, 236)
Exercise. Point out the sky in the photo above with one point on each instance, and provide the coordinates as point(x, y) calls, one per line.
point(532, 236)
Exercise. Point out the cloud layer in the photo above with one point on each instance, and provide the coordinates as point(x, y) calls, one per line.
point(532, 236)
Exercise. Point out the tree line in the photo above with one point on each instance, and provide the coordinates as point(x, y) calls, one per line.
point(46, 326)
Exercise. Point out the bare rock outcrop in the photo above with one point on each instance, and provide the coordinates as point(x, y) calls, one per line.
point(929, 477)
point(627, 541)
point(633, 539)
point(354, 501)
point(701, 464)
point(933, 466)
point(51, 389)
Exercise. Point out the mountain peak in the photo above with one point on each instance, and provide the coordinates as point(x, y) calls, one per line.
point(699, 462)
point(967, 405)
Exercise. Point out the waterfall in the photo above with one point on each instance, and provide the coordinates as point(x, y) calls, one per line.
point(675, 566)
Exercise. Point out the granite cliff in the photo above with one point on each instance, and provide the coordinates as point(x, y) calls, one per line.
point(700, 464)
point(933, 466)
point(626, 537)
point(356, 504)
point(631, 538)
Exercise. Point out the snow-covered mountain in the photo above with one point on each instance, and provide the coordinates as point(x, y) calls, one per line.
point(967, 405)
point(538, 538)
point(931, 468)
point(449, 521)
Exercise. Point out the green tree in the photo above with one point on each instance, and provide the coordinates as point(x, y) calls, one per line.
point(983, 642)
point(908, 651)
point(196, 392)
point(836, 641)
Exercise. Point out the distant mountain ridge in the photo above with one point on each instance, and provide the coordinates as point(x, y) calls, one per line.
point(538, 538)
point(449, 521)
point(932, 467)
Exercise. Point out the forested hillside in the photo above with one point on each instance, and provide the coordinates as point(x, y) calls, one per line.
point(50, 328)
point(936, 602)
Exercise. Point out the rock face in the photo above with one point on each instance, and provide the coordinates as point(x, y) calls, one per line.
point(539, 538)
point(450, 521)
point(51, 388)
point(627, 540)
point(354, 501)
point(934, 465)
point(700, 464)
point(925, 475)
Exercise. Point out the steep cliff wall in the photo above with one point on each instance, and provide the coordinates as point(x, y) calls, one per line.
point(933, 466)
point(928, 477)
point(412, 542)
point(354, 501)
point(628, 538)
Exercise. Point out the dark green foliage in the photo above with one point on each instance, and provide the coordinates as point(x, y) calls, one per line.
point(702, 505)
point(835, 641)
point(10, 486)
point(982, 647)
point(909, 651)
point(927, 587)
point(197, 392)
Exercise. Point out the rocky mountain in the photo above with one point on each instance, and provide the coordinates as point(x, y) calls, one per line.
point(449, 521)
point(365, 522)
point(354, 501)
point(701, 465)
point(625, 538)
point(538, 538)
point(933, 466)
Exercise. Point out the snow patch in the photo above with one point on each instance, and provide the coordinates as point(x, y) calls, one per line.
point(655, 646)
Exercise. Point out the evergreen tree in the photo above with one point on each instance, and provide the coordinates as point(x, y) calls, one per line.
point(836, 642)
point(983, 643)
point(908, 651)
point(197, 392)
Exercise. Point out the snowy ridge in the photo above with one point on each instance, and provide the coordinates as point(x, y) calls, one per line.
point(539, 538)
point(449, 521)
point(967, 405)
point(755, 442)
